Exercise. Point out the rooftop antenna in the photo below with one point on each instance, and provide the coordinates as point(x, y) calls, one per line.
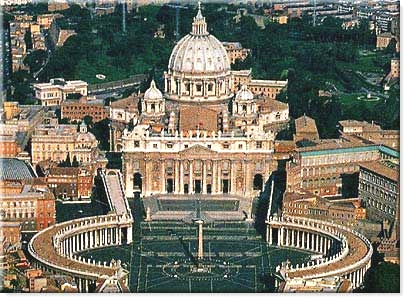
point(177, 8)
point(314, 13)
point(123, 17)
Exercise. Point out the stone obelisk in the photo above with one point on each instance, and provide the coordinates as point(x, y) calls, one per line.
point(200, 240)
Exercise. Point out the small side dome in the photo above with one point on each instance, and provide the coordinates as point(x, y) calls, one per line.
point(85, 137)
point(244, 94)
point(153, 93)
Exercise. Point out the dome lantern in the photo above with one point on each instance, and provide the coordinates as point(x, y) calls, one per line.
point(199, 26)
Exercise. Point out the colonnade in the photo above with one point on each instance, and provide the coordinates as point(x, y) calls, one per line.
point(72, 237)
point(90, 239)
point(325, 238)
point(302, 239)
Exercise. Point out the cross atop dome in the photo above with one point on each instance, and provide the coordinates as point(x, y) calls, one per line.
point(199, 14)
point(199, 26)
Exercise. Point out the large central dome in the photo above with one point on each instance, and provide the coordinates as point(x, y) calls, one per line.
point(199, 51)
point(199, 69)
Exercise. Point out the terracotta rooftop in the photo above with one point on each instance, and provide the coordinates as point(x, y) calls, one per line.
point(364, 124)
point(305, 124)
point(198, 117)
point(268, 105)
point(129, 102)
point(331, 144)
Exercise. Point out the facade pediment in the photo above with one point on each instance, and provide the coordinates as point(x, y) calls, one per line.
point(197, 150)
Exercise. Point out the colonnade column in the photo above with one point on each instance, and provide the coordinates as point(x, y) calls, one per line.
point(92, 239)
point(118, 235)
point(280, 236)
point(298, 238)
point(303, 239)
point(129, 235)
point(321, 245)
point(287, 237)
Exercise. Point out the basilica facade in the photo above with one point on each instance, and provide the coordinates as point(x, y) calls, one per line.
point(201, 135)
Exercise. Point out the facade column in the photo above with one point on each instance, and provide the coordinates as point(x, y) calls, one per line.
point(214, 177)
point(176, 177)
point(233, 185)
point(191, 177)
point(181, 178)
point(317, 243)
point(163, 181)
point(293, 238)
point(219, 177)
point(303, 239)
point(204, 177)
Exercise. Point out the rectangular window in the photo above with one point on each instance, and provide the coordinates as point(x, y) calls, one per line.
point(155, 145)
point(258, 144)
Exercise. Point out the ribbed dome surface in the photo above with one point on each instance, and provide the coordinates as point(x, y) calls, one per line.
point(85, 137)
point(199, 54)
point(152, 93)
point(244, 94)
point(199, 51)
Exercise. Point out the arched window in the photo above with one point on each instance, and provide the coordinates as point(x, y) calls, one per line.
point(258, 182)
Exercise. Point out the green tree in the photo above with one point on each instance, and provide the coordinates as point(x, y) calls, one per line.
point(27, 40)
point(383, 278)
point(75, 162)
point(35, 60)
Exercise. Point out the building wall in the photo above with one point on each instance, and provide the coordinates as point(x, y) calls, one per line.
point(31, 210)
point(208, 173)
point(380, 195)
point(55, 144)
point(45, 213)
point(322, 174)
point(10, 233)
point(8, 147)
point(75, 111)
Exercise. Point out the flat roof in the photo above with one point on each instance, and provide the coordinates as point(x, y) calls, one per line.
point(382, 169)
